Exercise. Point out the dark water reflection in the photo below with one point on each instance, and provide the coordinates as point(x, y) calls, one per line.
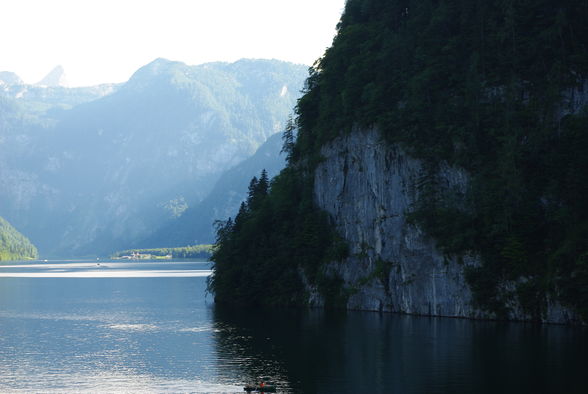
point(358, 352)
point(148, 327)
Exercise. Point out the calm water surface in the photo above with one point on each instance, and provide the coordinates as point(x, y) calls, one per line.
point(149, 327)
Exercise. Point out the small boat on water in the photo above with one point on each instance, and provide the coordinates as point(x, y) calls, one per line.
point(262, 387)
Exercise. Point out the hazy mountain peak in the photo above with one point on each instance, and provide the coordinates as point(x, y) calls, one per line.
point(157, 67)
point(55, 78)
point(156, 70)
point(161, 62)
point(10, 78)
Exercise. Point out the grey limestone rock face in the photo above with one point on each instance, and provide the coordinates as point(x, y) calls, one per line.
point(368, 187)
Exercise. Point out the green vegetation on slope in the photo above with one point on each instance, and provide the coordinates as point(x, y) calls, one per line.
point(276, 233)
point(186, 252)
point(14, 245)
point(495, 87)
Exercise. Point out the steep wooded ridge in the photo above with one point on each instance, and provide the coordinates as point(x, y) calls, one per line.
point(446, 141)
point(14, 245)
point(195, 225)
point(87, 171)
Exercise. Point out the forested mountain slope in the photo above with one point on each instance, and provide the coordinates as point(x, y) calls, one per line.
point(196, 225)
point(446, 141)
point(14, 245)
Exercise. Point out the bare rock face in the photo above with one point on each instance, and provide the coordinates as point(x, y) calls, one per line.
point(368, 187)
point(55, 78)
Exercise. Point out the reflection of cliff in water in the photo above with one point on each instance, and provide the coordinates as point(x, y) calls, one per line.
point(250, 344)
point(336, 352)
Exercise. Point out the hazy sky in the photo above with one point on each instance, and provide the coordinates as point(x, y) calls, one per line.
point(100, 41)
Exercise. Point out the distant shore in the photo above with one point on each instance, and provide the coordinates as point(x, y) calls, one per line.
point(186, 252)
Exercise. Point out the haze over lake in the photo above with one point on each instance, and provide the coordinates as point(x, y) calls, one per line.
point(150, 327)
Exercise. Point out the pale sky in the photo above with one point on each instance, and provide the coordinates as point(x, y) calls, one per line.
point(99, 41)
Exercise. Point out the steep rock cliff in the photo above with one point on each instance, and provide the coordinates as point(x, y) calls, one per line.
point(368, 186)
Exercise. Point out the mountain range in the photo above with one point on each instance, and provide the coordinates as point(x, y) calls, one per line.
point(86, 171)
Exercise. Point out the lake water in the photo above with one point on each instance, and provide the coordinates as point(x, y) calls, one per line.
point(149, 327)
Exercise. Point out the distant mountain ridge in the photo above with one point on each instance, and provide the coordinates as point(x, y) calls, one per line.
point(38, 100)
point(196, 225)
point(82, 176)
point(9, 78)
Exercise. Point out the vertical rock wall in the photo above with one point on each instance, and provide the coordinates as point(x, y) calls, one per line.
point(367, 187)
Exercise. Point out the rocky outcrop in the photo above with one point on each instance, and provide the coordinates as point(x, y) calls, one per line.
point(56, 77)
point(368, 187)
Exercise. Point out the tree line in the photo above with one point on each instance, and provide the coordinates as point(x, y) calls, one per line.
point(185, 252)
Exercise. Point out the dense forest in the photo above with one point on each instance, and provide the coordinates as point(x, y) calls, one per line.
point(497, 88)
point(259, 253)
point(14, 245)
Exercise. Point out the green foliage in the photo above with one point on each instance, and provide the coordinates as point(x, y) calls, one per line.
point(186, 252)
point(277, 233)
point(489, 86)
point(14, 245)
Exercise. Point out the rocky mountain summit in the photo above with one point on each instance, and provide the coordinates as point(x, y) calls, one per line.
point(56, 77)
